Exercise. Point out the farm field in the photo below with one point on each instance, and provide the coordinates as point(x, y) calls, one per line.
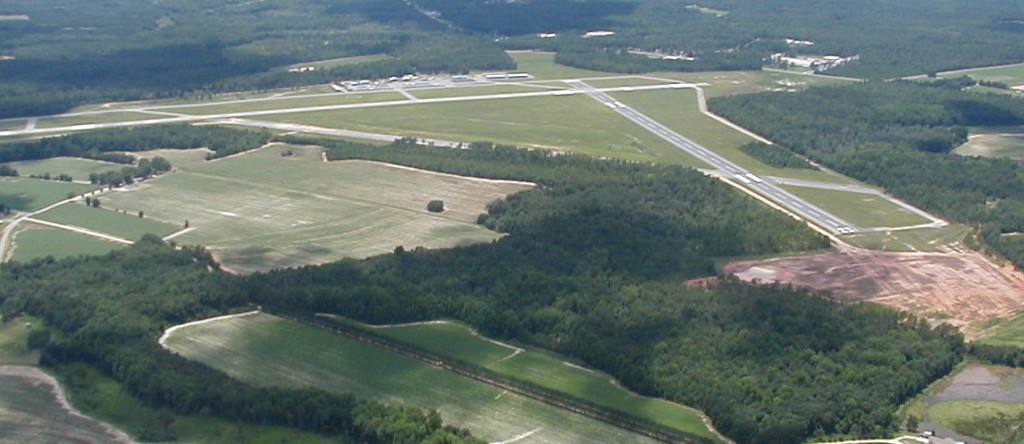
point(35, 241)
point(864, 210)
point(994, 142)
point(978, 403)
point(107, 221)
point(286, 103)
point(454, 339)
point(77, 168)
point(260, 210)
point(263, 349)
point(30, 414)
point(677, 109)
point(25, 194)
point(52, 122)
point(572, 123)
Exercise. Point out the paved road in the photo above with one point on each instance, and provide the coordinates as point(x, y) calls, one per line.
point(736, 174)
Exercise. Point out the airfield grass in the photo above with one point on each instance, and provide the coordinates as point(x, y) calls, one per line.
point(459, 341)
point(52, 122)
point(863, 210)
point(572, 123)
point(103, 220)
point(13, 337)
point(474, 90)
point(995, 422)
point(541, 65)
point(1010, 74)
point(36, 242)
point(262, 349)
point(920, 239)
point(638, 80)
point(8, 125)
point(728, 83)
point(98, 396)
point(77, 168)
point(287, 103)
point(261, 210)
point(26, 194)
point(677, 109)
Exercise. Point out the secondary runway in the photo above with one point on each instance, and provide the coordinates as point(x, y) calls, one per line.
point(740, 176)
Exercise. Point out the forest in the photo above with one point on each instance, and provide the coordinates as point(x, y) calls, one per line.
point(898, 135)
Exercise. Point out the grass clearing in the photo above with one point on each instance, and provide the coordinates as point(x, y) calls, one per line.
point(475, 90)
point(77, 168)
point(26, 194)
point(344, 61)
point(1007, 142)
point(1006, 332)
point(37, 242)
point(262, 349)
point(625, 81)
point(677, 109)
point(108, 221)
point(1012, 75)
point(863, 210)
point(261, 210)
point(995, 422)
point(459, 341)
point(541, 65)
point(573, 123)
point(13, 337)
point(727, 83)
point(287, 103)
point(920, 239)
point(53, 122)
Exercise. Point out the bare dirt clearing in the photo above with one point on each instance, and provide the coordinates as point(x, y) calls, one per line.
point(963, 288)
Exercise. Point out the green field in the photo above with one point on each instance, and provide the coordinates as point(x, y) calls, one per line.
point(107, 221)
point(263, 349)
point(860, 209)
point(52, 122)
point(260, 210)
point(1005, 332)
point(541, 65)
point(727, 83)
point(77, 168)
point(24, 194)
point(995, 422)
point(458, 341)
point(1005, 142)
point(574, 123)
point(677, 109)
point(481, 90)
point(34, 242)
point(13, 334)
point(286, 103)
point(1012, 75)
point(920, 239)
point(612, 82)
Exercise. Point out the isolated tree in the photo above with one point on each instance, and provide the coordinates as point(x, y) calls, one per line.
point(95, 202)
point(435, 206)
point(88, 201)
point(141, 214)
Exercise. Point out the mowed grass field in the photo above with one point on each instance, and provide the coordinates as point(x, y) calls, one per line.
point(573, 123)
point(107, 221)
point(35, 241)
point(863, 210)
point(459, 341)
point(77, 168)
point(476, 90)
point(25, 194)
point(541, 65)
point(260, 210)
point(920, 239)
point(263, 349)
point(728, 83)
point(286, 103)
point(52, 122)
point(1012, 75)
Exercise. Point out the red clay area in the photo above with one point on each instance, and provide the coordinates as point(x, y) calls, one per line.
point(962, 288)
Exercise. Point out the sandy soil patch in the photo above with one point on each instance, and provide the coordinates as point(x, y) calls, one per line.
point(963, 288)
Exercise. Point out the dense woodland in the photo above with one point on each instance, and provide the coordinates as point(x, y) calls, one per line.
point(592, 267)
point(85, 51)
point(898, 135)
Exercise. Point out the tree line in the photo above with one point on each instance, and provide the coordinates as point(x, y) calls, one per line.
point(898, 135)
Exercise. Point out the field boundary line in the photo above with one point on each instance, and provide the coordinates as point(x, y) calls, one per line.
point(79, 230)
point(170, 330)
point(38, 376)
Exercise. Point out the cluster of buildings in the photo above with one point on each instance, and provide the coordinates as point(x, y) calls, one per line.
point(811, 62)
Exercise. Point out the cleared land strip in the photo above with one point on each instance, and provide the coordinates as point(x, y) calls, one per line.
point(526, 389)
point(79, 230)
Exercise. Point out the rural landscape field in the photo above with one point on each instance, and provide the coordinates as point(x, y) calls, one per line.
point(467, 222)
